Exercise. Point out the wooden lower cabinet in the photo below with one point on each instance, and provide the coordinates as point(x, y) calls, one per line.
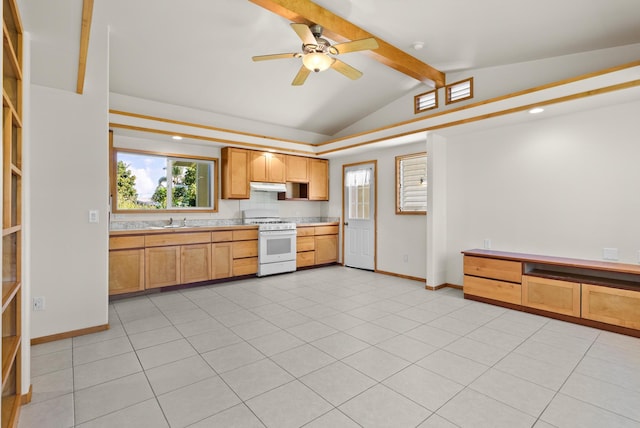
point(126, 271)
point(162, 266)
point(326, 249)
point(562, 297)
point(195, 263)
point(611, 305)
point(221, 260)
point(502, 291)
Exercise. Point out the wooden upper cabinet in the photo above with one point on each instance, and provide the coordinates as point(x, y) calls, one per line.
point(235, 173)
point(297, 169)
point(267, 167)
point(318, 180)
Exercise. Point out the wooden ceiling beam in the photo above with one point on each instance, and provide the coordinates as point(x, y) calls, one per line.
point(85, 31)
point(341, 30)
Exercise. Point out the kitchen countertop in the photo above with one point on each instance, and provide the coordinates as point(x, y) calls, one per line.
point(156, 230)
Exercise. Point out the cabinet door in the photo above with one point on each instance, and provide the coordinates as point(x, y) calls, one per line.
point(297, 169)
point(306, 258)
point(221, 260)
point(126, 271)
point(562, 297)
point(326, 249)
point(195, 263)
point(235, 173)
point(162, 266)
point(267, 167)
point(611, 305)
point(318, 180)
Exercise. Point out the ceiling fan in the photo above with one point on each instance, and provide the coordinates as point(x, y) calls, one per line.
point(317, 53)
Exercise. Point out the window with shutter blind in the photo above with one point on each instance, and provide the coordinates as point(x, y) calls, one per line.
point(411, 184)
point(426, 101)
point(459, 91)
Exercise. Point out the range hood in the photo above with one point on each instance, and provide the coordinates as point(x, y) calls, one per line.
point(268, 187)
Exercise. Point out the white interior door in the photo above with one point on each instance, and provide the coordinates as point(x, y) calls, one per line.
point(359, 216)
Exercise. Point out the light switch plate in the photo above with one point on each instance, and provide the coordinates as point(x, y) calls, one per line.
point(93, 216)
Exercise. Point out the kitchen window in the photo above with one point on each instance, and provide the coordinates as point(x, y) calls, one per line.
point(411, 184)
point(153, 182)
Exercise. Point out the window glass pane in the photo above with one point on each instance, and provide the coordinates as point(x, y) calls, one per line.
point(359, 188)
point(155, 182)
point(411, 184)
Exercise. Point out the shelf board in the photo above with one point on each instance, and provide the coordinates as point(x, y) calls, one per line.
point(9, 290)
point(11, 55)
point(10, 347)
point(8, 103)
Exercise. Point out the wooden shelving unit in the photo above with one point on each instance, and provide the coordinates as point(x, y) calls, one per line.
point(12, 231)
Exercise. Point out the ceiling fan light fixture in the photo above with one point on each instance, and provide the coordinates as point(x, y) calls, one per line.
point(317, 61)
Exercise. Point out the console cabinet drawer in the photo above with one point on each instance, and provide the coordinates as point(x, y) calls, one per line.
point(611, 305)
point(504, 270)
point(491, 289)
point(551, 295)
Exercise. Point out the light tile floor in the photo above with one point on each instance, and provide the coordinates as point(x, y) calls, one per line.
point(332, 347)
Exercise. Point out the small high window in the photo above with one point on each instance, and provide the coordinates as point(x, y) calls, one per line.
point(425, 101)
point(411, 184)
point(462, 90)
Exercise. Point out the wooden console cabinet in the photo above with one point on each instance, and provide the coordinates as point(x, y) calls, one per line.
point(599, 294)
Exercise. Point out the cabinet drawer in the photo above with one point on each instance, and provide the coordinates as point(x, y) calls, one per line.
point(124, 242)
point(611, 305)
point(326, 230)
point(305, 243)
point(491, 289)
point(307, 258)
point(552, 295)
point(161, 240)
point(504, 270)
point(306, 231)
point(243, 249)
point(245, 266)
point(245, 235)
point(222, 236)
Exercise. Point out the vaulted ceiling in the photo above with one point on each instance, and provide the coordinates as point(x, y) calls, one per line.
point(197, 53)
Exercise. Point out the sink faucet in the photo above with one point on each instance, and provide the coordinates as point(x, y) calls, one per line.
point(170, 221)
point(184, 222)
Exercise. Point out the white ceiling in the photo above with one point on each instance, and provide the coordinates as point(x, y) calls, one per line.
point(197, 53)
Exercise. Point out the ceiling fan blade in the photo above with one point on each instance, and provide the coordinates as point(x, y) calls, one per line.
point(305, 34)
point(346, 69)
point(356, 45)
point(302, 75)
point(274, 56)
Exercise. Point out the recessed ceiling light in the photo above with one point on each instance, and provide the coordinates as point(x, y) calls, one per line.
point(177, 137)
point(536, 110)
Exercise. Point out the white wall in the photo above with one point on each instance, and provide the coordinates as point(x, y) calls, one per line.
point(69, 176)
point(501, 80)
point(564, 186)
point(397, 235)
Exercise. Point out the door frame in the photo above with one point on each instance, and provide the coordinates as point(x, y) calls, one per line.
point(375, 209)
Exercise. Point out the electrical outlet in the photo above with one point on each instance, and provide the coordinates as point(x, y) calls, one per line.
point(487, 244)
point(610, 253)
point(405, 258)
point(38, 303)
